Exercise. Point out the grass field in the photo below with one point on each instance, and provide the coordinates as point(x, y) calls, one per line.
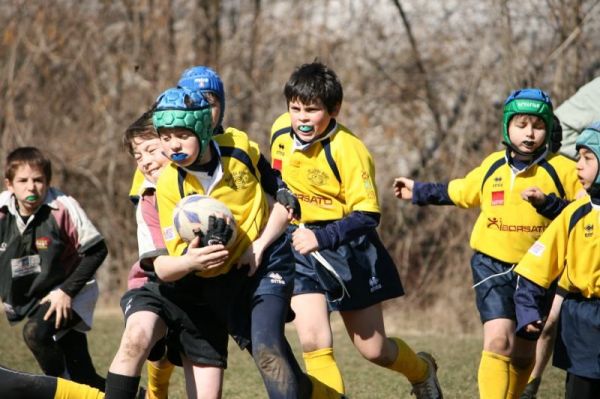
point(457, 356)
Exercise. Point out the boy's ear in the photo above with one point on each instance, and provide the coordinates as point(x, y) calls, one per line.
point(8, 185)
point(336, 111)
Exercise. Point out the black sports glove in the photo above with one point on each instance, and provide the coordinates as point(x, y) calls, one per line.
point(219, 232)
point(287, 198)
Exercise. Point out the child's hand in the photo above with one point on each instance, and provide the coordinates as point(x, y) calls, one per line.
point(533, 195)
point(252, 257)
point(403, 188)
point(60, 302)
point(206, 257)
point(304, 241)
point(535, 327)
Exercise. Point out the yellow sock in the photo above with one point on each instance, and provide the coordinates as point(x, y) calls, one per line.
point(322, 391)
point(322, 366)
point(408, 363)
point(158, 380)
point(518, 379)
point(66, 389)
point(493, 376)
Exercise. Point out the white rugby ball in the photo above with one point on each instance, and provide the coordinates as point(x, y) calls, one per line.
point(193, 212)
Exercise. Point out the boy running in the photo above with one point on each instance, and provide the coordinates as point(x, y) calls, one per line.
point(505, 229)
point(332, 174)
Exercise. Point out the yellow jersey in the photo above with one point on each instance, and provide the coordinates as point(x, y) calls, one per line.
point(569, 248)
point(237, 185)
point(331, 177)
point(508, 225)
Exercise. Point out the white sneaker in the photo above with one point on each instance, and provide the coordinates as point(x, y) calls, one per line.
point(430, 388)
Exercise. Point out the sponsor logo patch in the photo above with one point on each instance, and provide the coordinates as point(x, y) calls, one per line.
point(277, 164)
point(537, 248)
point(589, 230)
point(496, 223)
point(497, 197)
point(42, 242)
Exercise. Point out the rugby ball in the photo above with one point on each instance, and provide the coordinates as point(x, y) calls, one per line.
point(192, 214)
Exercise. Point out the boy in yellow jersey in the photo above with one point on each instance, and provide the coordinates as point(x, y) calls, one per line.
point(230, 168)
point(505, 229)
point(568, 250)
point(332, 174)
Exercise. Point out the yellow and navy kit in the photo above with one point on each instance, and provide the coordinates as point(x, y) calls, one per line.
point(239, 188)
point(331, 177)
point(507, 224)
point(569, 248)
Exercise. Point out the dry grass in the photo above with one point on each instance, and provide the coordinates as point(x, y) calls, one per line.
point(457, 355)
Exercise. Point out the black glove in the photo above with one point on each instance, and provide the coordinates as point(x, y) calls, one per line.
point(287, 198)
point(218, 232)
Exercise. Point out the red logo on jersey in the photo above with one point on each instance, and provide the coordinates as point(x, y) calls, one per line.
point(42, 242)
point(277, 164)
point(497, 197)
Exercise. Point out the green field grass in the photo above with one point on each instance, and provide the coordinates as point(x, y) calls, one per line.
point(457, 356)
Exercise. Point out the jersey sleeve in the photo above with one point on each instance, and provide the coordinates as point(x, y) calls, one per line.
point(167, 196)
point(77, 226)
point(150, 239)
point(358, 178)
point(466, 192)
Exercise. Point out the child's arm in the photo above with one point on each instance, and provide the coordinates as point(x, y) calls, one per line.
point(549, 206)
point(422, 193)
point(273, 184)
point(529, 299)
point(276, 225)
point(60, 299)
point(335, 233)
point(195, 259)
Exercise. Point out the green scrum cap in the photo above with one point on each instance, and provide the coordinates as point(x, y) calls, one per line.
point(530, 102)
point(178, 107)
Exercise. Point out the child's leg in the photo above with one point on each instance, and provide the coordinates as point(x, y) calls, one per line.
point(577, 387)
point(159, 374)
point(159, 371)
point(142, 331)
point(493, 375)
point(37, 334)
point(544, 347)
point(367, 331)
point(202, 381)
point(314, 333)
point(521, 364)
point(269, 347)
point(15, 384)
point(77, 357)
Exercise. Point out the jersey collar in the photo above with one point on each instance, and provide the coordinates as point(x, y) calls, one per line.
point(302, 145)
point(519, 166)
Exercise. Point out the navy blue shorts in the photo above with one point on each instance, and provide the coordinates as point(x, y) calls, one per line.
point(193, 329)
point(494, 297)
point(577, 346)
point(275, 275)
point(363, 265)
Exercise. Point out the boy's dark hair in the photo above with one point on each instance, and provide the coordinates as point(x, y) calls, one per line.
point(27, 156)
point(312, 82)
point(141, 127)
